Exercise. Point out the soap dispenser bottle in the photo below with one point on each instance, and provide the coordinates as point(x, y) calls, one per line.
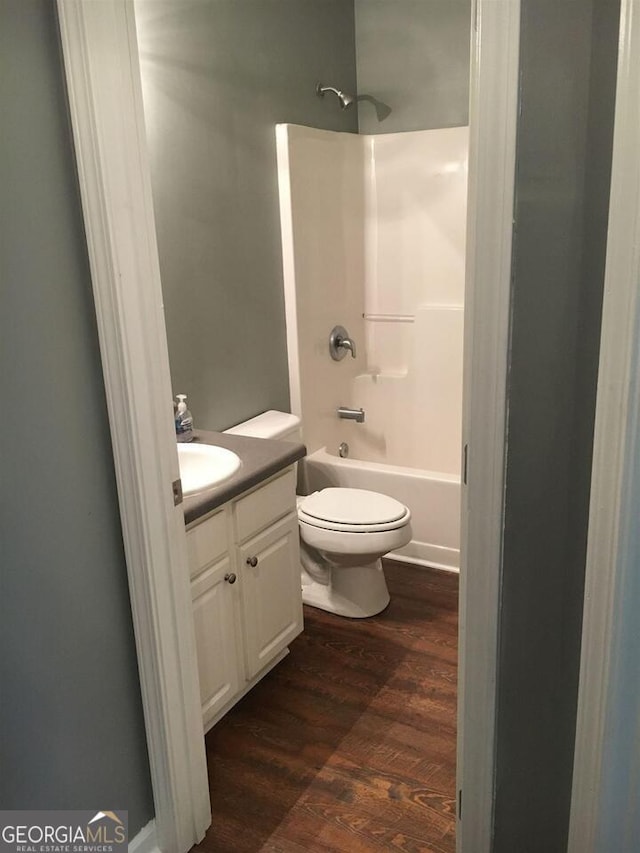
point(184, 420)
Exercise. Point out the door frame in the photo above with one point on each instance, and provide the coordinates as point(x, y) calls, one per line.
point(495, 48)
point(103, 80)
point(105, 99)
point(615, 473)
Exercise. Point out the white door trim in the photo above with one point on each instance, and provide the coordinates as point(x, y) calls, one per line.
point(103, 81)
point(617, 438)
point(100, 54)
point(492, 159)
point(145, 841)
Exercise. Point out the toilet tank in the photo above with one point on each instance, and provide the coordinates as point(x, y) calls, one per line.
point(279, 426)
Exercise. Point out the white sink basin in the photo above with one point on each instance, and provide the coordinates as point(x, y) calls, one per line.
point(203, 466)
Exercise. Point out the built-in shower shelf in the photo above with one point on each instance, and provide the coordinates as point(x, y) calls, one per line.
point(390, 318)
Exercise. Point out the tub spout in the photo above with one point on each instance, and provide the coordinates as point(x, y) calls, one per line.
point(348, 414)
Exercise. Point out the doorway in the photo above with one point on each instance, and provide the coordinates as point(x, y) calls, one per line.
point(101, 55)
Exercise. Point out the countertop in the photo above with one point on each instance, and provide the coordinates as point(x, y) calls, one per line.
point(260, 459)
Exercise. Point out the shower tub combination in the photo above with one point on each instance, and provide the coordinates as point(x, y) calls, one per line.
point(373, 238)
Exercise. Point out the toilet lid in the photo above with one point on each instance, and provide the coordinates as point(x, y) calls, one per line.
point(353, 506)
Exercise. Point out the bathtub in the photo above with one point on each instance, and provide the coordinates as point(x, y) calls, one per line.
point(433, 498)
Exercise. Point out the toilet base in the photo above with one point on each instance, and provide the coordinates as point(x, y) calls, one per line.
point(355, 591)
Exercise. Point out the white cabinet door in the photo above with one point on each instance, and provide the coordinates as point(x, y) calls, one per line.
point(215, 609)
point(271, 592)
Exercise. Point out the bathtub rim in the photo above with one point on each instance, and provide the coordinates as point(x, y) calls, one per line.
point(325, 456)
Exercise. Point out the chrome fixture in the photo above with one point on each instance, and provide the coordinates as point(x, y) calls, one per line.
point(345, 100)
point(340, 343)
point(343, 450)
point(348, 414)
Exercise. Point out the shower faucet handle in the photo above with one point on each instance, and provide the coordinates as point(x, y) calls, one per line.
point(348, 344)
point(340, 343)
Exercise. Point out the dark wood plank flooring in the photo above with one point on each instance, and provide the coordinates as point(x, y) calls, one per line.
point(349, 744)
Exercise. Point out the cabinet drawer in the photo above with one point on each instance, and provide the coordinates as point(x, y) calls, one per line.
point(265, 505)
point(207, 542)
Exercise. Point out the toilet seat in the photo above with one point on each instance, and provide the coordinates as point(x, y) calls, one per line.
point(353, 511)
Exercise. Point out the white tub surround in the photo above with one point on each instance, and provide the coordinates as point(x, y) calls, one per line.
point(322, 215)
point(413, 415)
point(373, 238)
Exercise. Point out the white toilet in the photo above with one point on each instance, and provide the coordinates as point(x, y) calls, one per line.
point(343, 534)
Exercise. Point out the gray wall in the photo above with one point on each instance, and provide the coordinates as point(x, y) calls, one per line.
point(568, 64)
point(217, 76)
point(413, 56)
point(71, 727)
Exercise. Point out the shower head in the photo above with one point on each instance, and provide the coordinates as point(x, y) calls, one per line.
point(345, 100)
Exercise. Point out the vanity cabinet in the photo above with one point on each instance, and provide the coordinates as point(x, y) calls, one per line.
point(244, 561)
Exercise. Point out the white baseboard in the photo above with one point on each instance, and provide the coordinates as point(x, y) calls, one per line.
point(425, 554)
point(423, 564)
point(146, 841)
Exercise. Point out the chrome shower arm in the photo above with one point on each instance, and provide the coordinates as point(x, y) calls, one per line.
point(345, 99)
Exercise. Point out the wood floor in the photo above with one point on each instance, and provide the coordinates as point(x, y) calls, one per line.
point(349, 744)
